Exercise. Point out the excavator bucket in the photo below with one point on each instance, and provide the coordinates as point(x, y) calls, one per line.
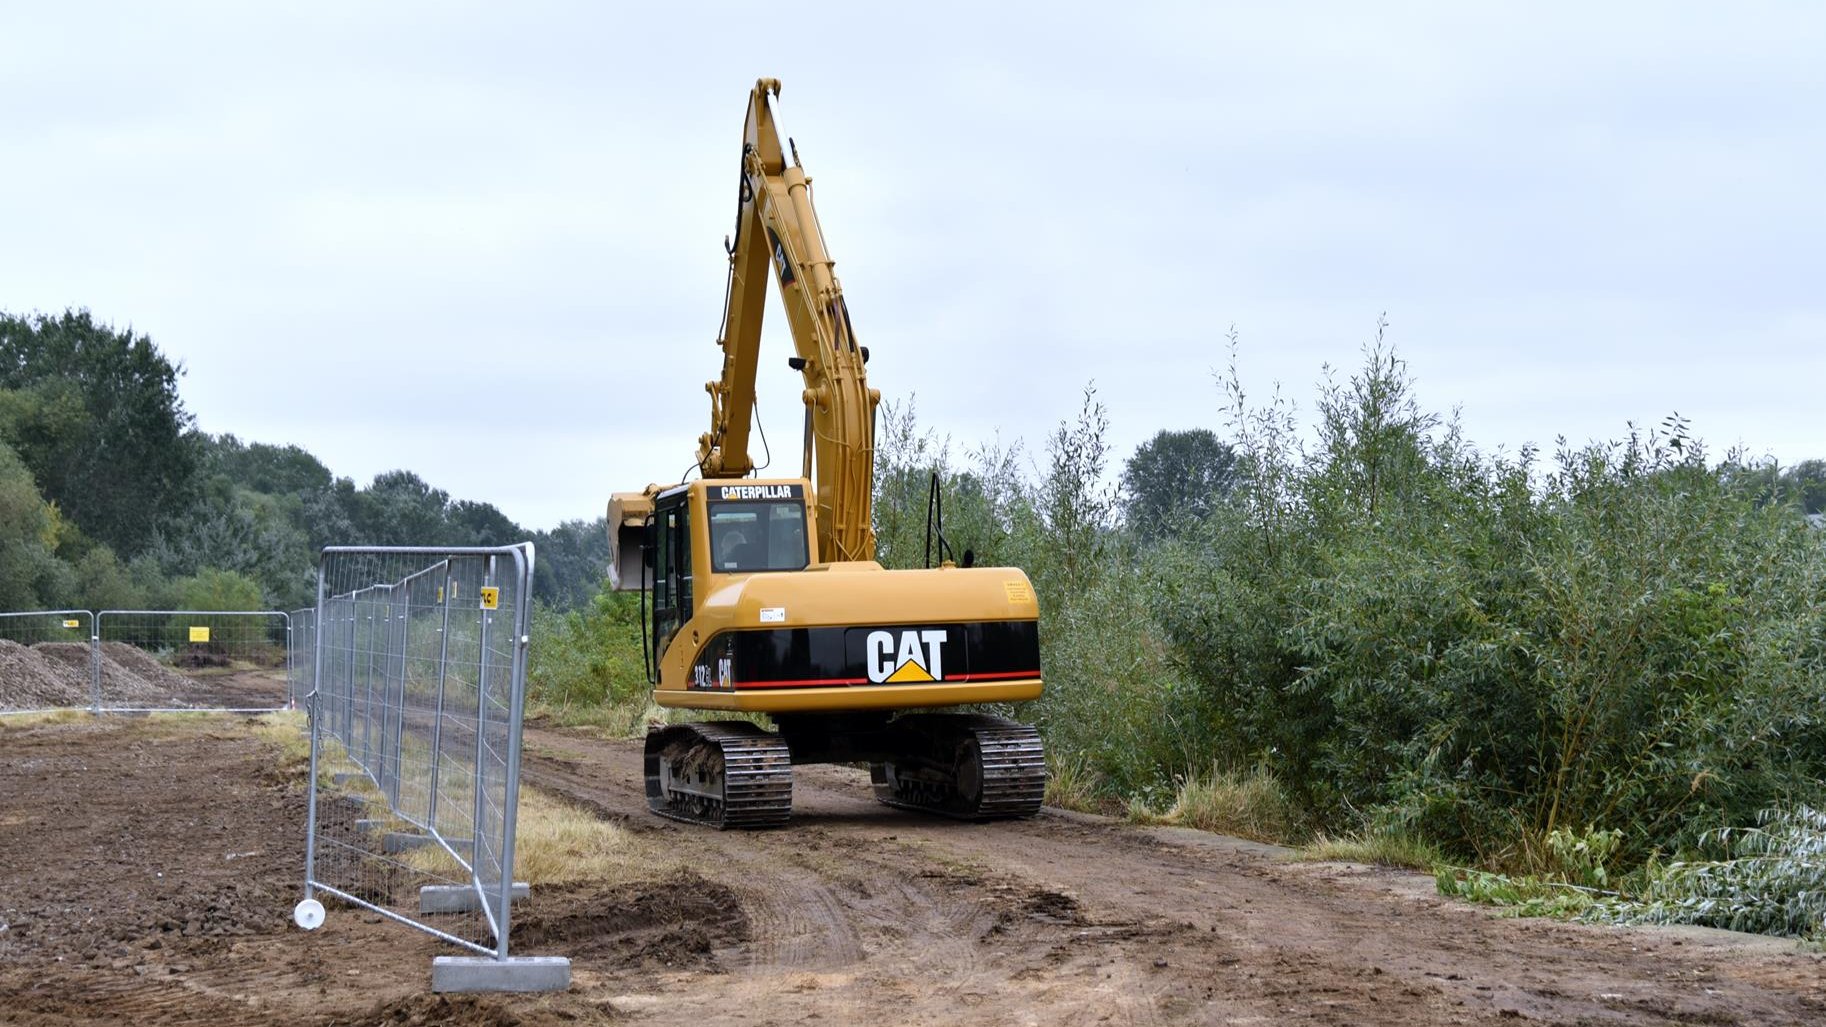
point(628, 514)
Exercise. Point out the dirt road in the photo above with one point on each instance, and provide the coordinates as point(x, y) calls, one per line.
point(146, 872)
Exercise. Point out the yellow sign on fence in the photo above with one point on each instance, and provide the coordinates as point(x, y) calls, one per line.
point(72, 624)
point(491, 598)
point(199, 634)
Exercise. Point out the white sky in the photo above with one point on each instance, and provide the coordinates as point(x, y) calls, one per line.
point(484, 241)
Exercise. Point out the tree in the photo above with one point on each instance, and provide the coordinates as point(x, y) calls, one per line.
point(100, 426)
point(571, 563)
point(1806, 483)
point(213, 589)
point(1174, 478)
point(481, 524)
point(400, 509)
point(275, 470)
point(31, 576)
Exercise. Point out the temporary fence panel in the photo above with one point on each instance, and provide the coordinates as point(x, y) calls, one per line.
point(419, 675)
point(162, 660)
point(47, 661)
point(300, 647)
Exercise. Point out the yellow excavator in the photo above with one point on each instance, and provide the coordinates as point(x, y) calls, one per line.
point(764, 594)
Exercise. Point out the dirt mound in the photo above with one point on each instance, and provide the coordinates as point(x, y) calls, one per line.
point(678, 923)
point(137, 662)
point(31, 681)
point(54, 675)
point(129, 677)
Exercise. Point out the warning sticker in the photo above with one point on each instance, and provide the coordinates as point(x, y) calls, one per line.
point(1017, 591)
point(199, 634)
point(491, 598)
point(72, 624)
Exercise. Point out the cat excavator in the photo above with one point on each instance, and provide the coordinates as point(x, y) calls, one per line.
point(762, 595)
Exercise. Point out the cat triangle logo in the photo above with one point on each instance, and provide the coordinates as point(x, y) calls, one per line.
point(910, 655)
point(909, 671)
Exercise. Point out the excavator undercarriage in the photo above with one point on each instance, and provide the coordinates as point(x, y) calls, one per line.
point(733, 774)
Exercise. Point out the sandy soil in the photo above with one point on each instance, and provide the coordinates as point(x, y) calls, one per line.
point(147, 869)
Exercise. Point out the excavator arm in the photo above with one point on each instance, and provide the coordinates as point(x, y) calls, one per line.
point(775, 224)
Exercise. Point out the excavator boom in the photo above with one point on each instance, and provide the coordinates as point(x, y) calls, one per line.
point(777, 226)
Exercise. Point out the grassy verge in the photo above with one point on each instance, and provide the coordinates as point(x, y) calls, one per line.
point(1248, 804)
point(1382, 848)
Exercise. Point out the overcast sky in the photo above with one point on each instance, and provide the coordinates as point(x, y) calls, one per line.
point(484, 241)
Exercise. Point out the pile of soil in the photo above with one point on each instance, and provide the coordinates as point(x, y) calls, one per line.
point(56, 675)
point(133, 662)
point(30, 681)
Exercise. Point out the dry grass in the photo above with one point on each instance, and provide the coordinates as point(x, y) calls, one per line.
point(47, 717)
point(1250, 804)
point(559, 843)
point(289, 733)
point(1384, 848)
point(1072, 784)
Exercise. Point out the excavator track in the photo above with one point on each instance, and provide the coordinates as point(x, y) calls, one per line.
point(722, 774)
point(966, 766)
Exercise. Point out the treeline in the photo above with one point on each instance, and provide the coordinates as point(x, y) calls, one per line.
point(111, 498)
point(1400, 635)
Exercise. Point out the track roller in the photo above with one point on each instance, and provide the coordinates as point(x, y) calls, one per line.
point(721, 774)
point(966, 766)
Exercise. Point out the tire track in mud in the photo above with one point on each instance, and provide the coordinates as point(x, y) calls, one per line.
point(796, 923)
point(832, 902)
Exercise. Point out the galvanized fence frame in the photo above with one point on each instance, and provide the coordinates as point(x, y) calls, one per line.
point(64, 617)
point(367, 710)
point(281, 629)
point(300, 652)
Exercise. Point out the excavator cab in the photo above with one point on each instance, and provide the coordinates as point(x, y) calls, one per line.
point(670, 542)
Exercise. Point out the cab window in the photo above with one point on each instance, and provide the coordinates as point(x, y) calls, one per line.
point(758, 536)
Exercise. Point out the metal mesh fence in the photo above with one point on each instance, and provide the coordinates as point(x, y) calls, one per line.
point(419, 681)
point(300, 649)
point(47, 661)
point(158, 660)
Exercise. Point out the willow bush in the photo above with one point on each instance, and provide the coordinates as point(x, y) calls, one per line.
point(1485, 649)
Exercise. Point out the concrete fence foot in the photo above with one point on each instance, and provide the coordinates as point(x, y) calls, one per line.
point(460, 898)
point(516, 973)
point(395, 842)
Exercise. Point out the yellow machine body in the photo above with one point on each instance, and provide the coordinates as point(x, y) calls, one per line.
point(820, 637)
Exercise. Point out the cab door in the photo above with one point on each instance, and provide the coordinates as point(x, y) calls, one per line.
point(671, 544)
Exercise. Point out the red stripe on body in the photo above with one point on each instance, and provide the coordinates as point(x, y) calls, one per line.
point(843, 682)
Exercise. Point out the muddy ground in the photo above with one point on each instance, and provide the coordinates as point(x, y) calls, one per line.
point(148, 868)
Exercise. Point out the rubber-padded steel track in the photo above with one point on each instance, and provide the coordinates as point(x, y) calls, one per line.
point(721, 774)
point(967, 766)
